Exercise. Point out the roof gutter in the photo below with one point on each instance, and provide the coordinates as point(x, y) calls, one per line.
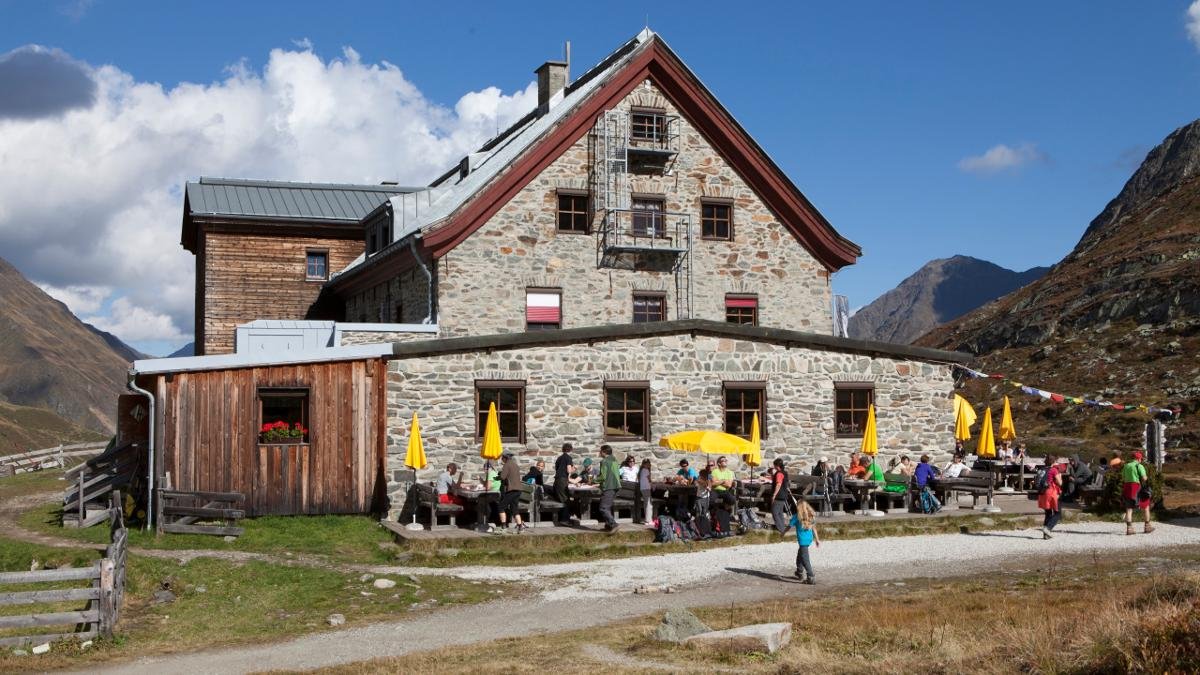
point(132, 384)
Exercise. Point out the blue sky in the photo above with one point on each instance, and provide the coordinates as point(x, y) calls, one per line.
point(873, 109)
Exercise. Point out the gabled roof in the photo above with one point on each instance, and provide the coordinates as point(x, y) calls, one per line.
point(454, 207)
point(334, 203)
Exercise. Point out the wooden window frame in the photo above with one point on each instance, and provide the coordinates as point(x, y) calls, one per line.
point(658, 219)
point(304, 393)
point(730, 312)
point(657, 128)
point(641, 385)
point(837, 409)
point(572, 213)
point(481, 413)
point(647, 295)
point(723, 203)
point(758, 386)
point(316, 251)
point(543, 326)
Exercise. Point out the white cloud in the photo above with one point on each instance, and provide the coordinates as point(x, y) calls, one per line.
point(1193, 23)
point(79, 299)
point(91, 198)
point(1001, 157)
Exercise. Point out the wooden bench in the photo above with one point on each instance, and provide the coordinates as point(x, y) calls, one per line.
point(536, 500)
point(891, 499)
point(976, 484)
point(427, 497)
point(805, 488)
point(180, 511)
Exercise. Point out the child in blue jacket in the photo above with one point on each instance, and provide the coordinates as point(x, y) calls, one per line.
point(806, 534)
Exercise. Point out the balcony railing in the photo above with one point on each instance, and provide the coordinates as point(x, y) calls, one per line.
point(630, 230)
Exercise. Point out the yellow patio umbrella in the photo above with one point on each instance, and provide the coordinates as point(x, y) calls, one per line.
point(491, 436)
point(987, 441)
point(754, 457)
point(964, 417)
point(415, 457)
point(1007, 431)
point(870, 441)
point(707, 441)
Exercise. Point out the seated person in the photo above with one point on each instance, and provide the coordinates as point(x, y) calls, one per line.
point(925, 473)
point(722, 485)
point(821, 467)
point(629, 470)
point(586, 475)
point(906, 466)
point(536, 474)
point(857, 468)
point(491, 479)
point(956, 468)
point(685, 475)
point(874, 471)
point(444, 482)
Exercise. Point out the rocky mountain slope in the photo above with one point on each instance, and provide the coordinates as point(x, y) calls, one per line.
point(942, 290)
point(50, 359)
point(23, 428)
point(1118, 318)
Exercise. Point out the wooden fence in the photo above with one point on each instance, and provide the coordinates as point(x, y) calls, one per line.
point(178, 512)
point(103, 596)
point(36, 460)
point(96, 480)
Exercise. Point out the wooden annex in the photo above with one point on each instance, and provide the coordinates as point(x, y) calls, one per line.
point(208, 434)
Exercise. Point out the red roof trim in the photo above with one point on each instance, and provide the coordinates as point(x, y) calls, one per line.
point(661, 66)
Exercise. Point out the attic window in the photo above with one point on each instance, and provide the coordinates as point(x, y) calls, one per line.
point(648, 125)
point(573, 212)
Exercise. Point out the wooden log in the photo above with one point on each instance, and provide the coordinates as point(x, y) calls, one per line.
point(62, 574)
point(203, 512)
point(49, 619)
point(39, 639)
point(212, 496)
point(52, 595)
point(203, 529)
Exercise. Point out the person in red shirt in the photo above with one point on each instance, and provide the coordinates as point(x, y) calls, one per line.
point(1048, 498)
point(781, 496)
point(858, 469)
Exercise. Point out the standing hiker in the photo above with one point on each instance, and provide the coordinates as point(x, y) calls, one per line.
point(610, 483)
point(1049, 489)
point(1136, 492)
point(780, 496)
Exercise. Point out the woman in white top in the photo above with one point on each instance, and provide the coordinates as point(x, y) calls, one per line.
point(955, 469)
point(629, 470)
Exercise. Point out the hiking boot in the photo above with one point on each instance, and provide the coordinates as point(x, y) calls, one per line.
point(1128, 528)
point(521, 527)
point(1149, 528)
point(811, 581)
point(1046, 534)
point(799, 575)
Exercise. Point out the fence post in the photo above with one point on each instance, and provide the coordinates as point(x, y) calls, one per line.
point(82, 474)
point(106, 597)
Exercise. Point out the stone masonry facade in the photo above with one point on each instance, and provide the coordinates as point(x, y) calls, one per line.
point(403, 299)
point(481, 284)
point(564, 389)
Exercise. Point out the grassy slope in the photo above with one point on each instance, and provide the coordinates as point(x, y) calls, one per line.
point(23, 428)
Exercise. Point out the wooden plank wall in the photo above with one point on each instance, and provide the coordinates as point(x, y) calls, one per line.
point(210, 437)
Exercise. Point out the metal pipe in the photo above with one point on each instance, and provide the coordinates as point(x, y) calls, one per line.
point(132, 384)
point(412, 246)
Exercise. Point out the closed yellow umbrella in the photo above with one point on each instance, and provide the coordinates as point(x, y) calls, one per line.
point(491, 436)
point(1007, 431)
point(415, 457)
point(964, 417)
point(870, 441)
point(754, 457)
point(987, 441)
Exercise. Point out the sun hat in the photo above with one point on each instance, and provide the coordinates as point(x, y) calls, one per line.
point(823, 459)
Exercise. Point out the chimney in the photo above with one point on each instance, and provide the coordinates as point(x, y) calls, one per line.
point(552, 79)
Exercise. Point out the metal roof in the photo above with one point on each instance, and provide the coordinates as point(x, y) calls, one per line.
point(285, 200)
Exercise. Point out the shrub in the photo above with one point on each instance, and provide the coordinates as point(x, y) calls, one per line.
point(1110, 500)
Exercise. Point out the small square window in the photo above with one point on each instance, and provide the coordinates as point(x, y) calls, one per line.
point(573, 212)
point(850, 403)
point(282, 416)
point(741, 309)
point(626, 411)
point(509, 397)
point(743, 400)
point(649, 307)
point(316, 266)
point(716, 220)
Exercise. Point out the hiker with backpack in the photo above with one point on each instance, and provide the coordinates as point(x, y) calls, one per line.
point(1049, 488)
point(804, 520)
point(924, 477)
point(1136, 492)
point(780, 496)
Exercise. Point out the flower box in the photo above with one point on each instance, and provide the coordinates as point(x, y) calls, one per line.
point(280, 433)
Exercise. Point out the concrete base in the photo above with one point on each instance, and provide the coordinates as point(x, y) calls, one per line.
point(988, 508)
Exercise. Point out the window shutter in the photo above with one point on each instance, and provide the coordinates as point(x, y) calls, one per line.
point(542, 307)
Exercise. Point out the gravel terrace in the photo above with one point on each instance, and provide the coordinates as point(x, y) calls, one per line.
point(577, 595)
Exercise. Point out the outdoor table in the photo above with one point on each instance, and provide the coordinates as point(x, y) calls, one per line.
point(862, 489)
point(753, 490)
point(583, 495)
point(483, 498)
point(682, 493)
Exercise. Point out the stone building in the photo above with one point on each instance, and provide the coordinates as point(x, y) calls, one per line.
point(622, 263)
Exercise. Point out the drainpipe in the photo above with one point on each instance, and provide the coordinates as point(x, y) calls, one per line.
point(412, 246)
point(132, 384)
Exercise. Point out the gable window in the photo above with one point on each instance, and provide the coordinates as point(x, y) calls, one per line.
point(648, 125)
point(316, 265)
point(627, 411)
point(283, 416)
point(573, 212)
point(742, 401)
point(647, 217)
point(543, 309)
point(509, 397)
point(649, 307)
point(741, 309)
point(850, 401)
point(716, 220)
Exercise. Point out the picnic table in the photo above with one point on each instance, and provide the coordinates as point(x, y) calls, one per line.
point(582, 496)
point(861, 489)
point(481, 497)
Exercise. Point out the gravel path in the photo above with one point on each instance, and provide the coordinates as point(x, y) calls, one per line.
point(570, 593)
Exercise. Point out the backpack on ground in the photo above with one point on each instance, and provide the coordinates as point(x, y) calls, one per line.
point(666, 531)
point(703, 527)
point(928, 502)
point(749, 520)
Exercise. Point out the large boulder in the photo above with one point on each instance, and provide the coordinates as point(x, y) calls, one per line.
point(767, 638)
point(678, 625)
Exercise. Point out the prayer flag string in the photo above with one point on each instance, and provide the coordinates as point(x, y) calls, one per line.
point(1073, 400)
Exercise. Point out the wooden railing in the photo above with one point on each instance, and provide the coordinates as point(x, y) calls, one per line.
point(96, 479)
point(36, 460)
point(103, 596)
point(179, 512)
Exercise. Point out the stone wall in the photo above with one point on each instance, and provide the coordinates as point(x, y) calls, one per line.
point(481, 282)
point(564, 390)
point(403, 299)
point(371, 337)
